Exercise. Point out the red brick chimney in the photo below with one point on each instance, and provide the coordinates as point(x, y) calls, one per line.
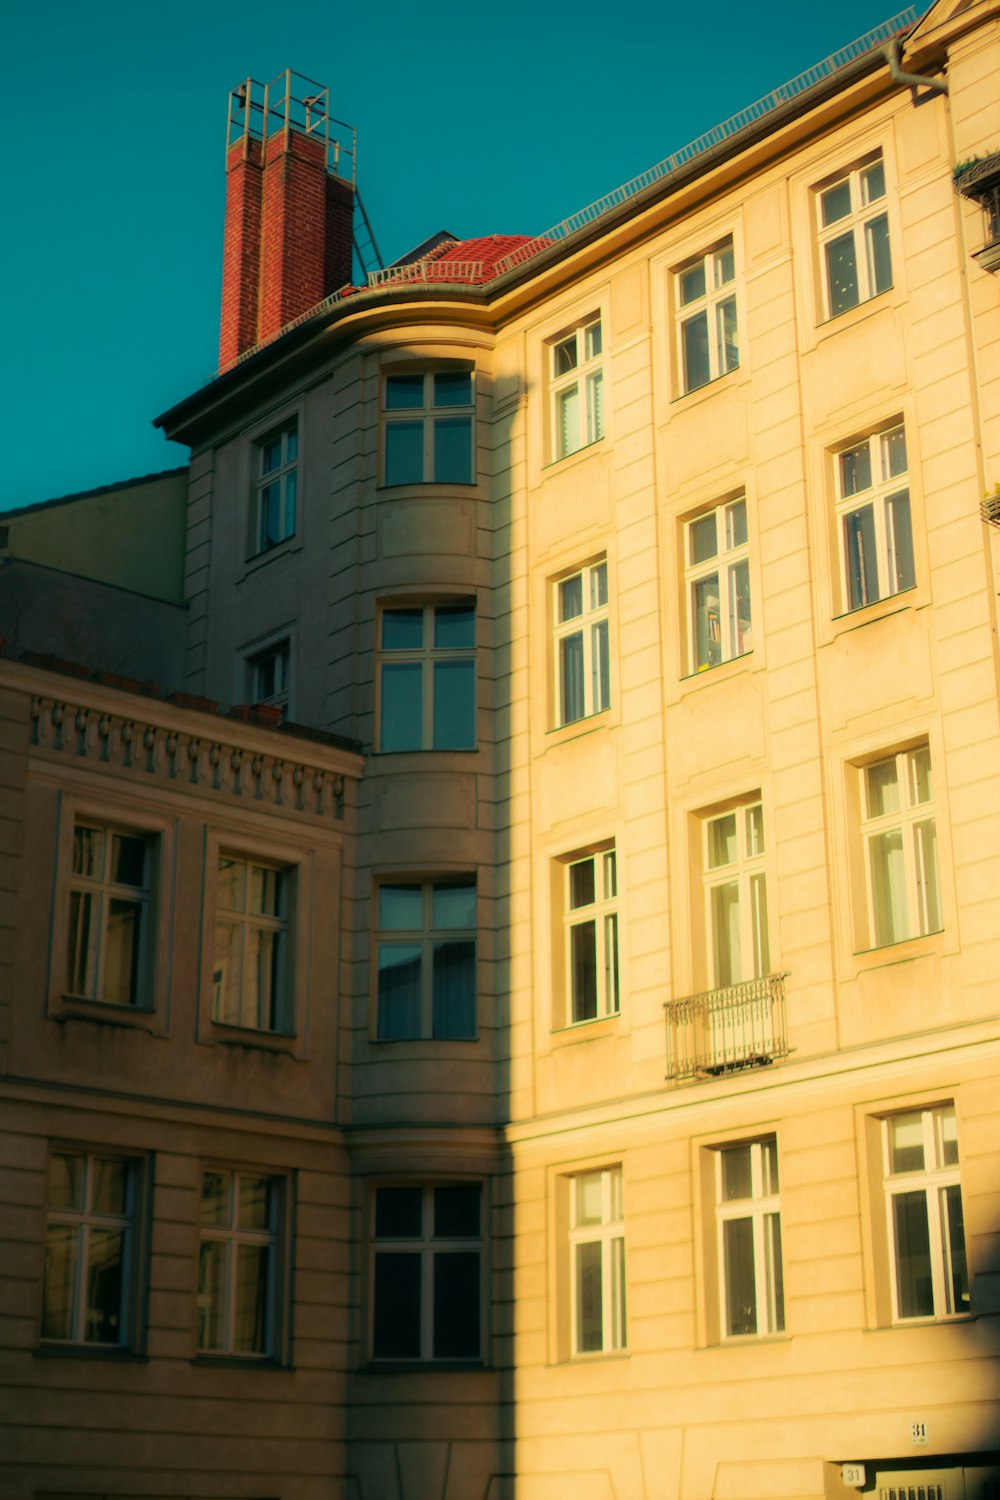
point(289, 216)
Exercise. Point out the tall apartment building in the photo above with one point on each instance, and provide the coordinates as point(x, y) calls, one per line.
point(562, 1058)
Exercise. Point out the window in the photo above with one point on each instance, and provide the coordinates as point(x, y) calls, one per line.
point(736, 896)
point(426, 959)
point(854, 237)
point(109, 915)
point(748, 1216)
point(276, 487)
point(873, 510)
point(706, 318)
point(269, 672)
point(597, 1261)
point(592, 936)
point(427, 677)
point(928, 1268)
point(90, 1254)
point(582, 647)
point(429, 425)
point(238, 1266)
point(900, 841)
point(250, 978)
point(718, 585)
point(575, 383)
point(426, 1272)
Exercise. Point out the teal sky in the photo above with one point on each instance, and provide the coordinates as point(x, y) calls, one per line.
point(478, 119)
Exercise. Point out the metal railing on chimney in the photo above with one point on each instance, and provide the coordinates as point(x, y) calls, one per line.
point(727, 1030)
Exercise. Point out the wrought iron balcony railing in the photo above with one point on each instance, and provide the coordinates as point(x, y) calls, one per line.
point(725, 1031)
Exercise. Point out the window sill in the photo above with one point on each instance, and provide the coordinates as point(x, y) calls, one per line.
point(899, 952)
point(851, 315)
point(259, 560)
point(104, 1013)
point(597, 1356)
point(424, 1041)
point(946, 1320)
point(470, 750)
point(585, 1031)
point(879, 609)
point(239, 1362)
point(89, 1351)
point(708, 673)
point(247, 1036)
point(576, 727)
point(708, 388)
point(423, 1367)
point(463, 486)
point(577, 454)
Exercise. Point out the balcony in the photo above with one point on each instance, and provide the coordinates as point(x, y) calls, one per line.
point(726, 1031)
point(979, 180)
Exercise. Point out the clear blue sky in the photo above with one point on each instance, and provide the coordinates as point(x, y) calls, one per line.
point(478, 119)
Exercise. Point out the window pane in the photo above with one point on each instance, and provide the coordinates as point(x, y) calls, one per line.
point(270, 515)
point(262, 978)
point(589, 1198)
point(741, 1292)
point(736, 524)
point(396, 1321)
point(212, 1296)
point(703, 542)
point(250, 1323)
point(230, 884)
point(62, 1249)
point(583, 961)
point(404, 452)
point(893, 447)
point(611, 964)
point(102, 1315)
point(402, 629)
point(694, 346)
point(740, 623)
point(265, 891)
point(835, 203)
point(571, 598)
point(841, 274)
point(270, 454)
point(595, 407)
point(81, 956)
point(722, 841)
point(707, 627)
point(737, 1172)
point(400, 908)
point(600, 667)
point(589, 1298)
point(88, 852)
point(618, 1323)
point(956, 1270)
point(921, 776)
point(855, 470)
point(567, 421)
point(726, 935)
point(454, 705)
point(454, 982)
point(571, 678)
point(862, 562)
point(227, 974)
point(877, 249)
point(913, 1255)
point(773, 1273)
point(899, 538)
point(453, 906)
point(906, 1143)
point(453, 450)
point(581, 884)
point(64, 1188)
point(769, 1166)
point(291, 444)
point(926, 868)
point(725, 266)
point(692, 283)
point(401, 719)
point(288, 521)
point(946, 1127)
point(456, 1211)
point(399, 1213)
point(598, 585)
point(454, 626)
point(727, 350)
point(108, 1186)
point(216, 1206)
point(592, 341)
point(398, 991)
point(253, 1209)
point(564, 356)
point(882, 787)
point(888, 888)
point(453, 389)
point(456, 1304)
point(758, 919)
point(873, 183)
point(404, 391)
point(128, 860)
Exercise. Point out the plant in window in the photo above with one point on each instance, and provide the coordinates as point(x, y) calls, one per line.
point(749, 1229)
point(930, 1276)
point(276, 487)
point(736, 895)
point(251, 931)
point(109, 912)
point(854, 237)
point(597, 1261)
point(576, 389)
point(592, 936)
point(428, 422)
point(89, 1252)
point(237, 1263)
point(900, 838)
point(706, 318)
point(426, 959)
point(427, 676)
point(581, 640)
point(873, 506)
point(718, 584)
point(426, 1273)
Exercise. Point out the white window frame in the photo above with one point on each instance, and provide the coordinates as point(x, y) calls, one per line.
point(426, 937)
point(233, 1236)
point(718, 267)
point(428, 1246)
point(748, 872)
point(939, 1130)
point(609, 1234)
point(428, 657)
point(284, 474)
point(428, 414)
point(919, 893)
point(887, 497)
point(575, 368)
point(87, 1221)
point(593, 626)
point(602, 914)
point(101, 891)
point(763, 1210)
point(728, 634)
point(279, 926)
point(864, 212)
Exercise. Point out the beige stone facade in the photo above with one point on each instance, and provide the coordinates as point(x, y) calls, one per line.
point(650, 578)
